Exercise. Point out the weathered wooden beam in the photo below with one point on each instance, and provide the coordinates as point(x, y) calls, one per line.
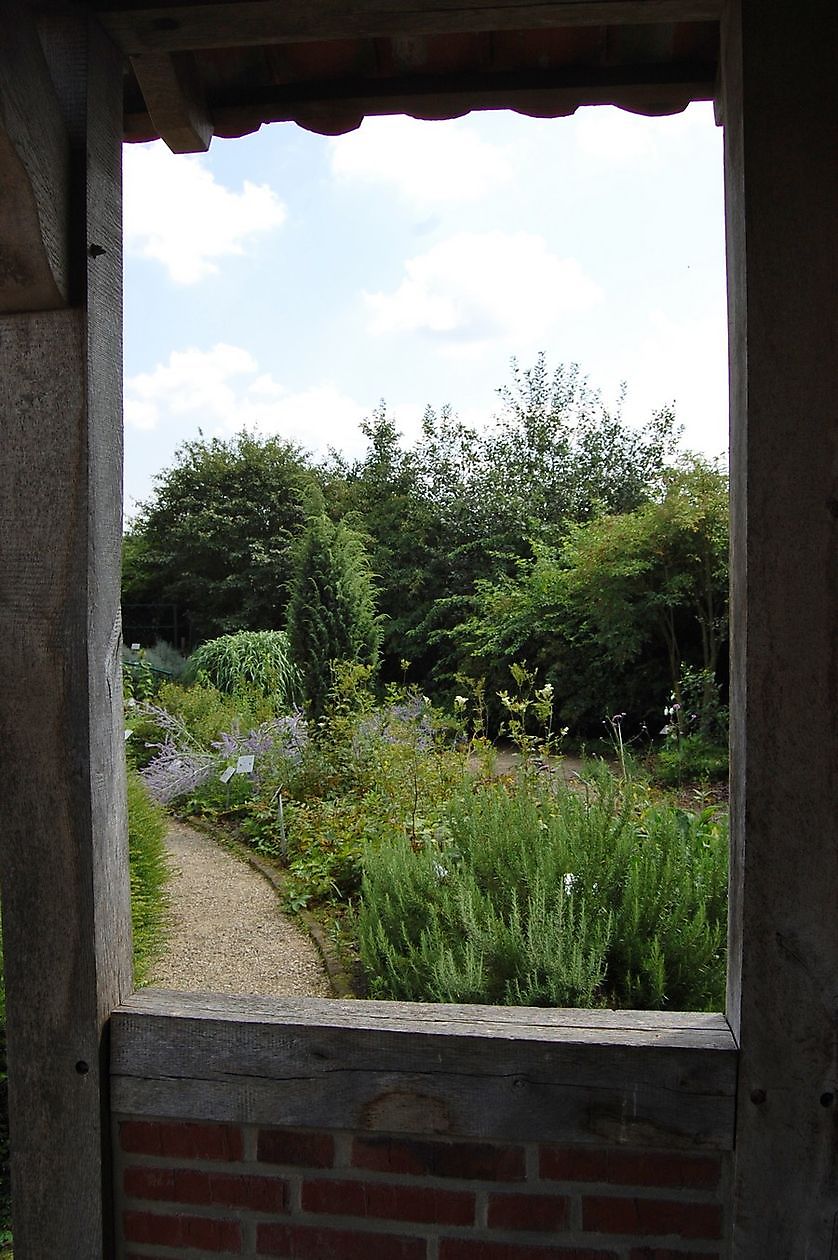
point(182, 26)
point(461, 1070)
point(63, 848)
point(175, 100)
point(34, 172)
point(781, 175)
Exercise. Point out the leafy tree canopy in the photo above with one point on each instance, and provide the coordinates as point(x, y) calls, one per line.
point(621, 606)
point(216, 536)
point(461, 505)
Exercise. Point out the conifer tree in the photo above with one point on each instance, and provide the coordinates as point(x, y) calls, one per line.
point(331, 612)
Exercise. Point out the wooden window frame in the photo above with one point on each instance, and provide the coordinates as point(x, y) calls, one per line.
point(64, 872)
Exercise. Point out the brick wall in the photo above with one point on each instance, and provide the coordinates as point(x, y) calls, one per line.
point(186, 1190)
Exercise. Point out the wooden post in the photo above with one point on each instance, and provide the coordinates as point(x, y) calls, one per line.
point(66, 916)
point(779, 102)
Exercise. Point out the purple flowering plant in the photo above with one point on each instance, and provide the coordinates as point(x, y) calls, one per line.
point(182, 765)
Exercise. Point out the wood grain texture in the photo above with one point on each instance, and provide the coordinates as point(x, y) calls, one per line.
point(522, 1075)
point(66, 918)
point(184, 26)
point(781, 175)
point(34, 173)
point(175, 100)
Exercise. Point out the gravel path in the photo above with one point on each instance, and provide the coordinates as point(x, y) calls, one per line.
point(228, 934)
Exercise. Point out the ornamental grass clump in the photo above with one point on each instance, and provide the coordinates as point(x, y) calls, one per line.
point(250, 659)
point(592, 895)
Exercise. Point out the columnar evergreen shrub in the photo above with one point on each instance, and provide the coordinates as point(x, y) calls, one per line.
point(331, 613)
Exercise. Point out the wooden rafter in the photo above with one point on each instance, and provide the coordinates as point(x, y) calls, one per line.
point(180, 26)
point(175, 101)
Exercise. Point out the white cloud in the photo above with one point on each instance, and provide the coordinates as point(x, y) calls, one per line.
point(612, 137)
point(428, 164)
point(685, 362)
point(191, 381)
point(478, 287)
point(318, 417)
point(223, 389)
point(177, 213)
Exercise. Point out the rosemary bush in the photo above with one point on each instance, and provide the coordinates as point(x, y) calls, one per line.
point(545, 894)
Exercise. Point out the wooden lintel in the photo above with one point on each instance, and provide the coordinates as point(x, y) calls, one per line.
point(34, 173)
point(182, 26)
point(174, 98)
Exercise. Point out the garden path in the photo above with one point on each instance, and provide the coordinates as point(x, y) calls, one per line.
point(228, 934)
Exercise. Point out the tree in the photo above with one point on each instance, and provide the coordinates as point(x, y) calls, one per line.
point(659, 572)
point(331, 613)
point(215, 538)
point(614, 614)
point(463, 506)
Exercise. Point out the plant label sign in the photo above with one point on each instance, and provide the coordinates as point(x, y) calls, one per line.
point(228, 774)
point(244, 765)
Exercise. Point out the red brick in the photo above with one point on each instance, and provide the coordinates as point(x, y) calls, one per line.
point(395, 1203)
point(182, 1231)
point(663, 1253)
point(630, 1168)
point(188, 1185)
point(651, 1216)
point(527, 1211)
point(302, 1242)
point(475, 1249)
point(182, 1140)
point(469, 1160)
point(300, 1149)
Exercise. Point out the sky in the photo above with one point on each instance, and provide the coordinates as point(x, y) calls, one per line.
point(285, 283)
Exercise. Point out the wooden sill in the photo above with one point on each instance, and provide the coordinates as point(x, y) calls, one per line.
point(635, 1077)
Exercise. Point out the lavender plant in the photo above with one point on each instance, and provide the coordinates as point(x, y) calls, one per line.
point(181, 765)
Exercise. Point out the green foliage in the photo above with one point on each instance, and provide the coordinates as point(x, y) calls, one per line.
point(462, 505)
point(617, 615)
point(692, 759)
point(215, 537)
point(557, 534)
point(206, 712)
point(144, 671)
point(331, 613)
point(256, 660)
point(149, 872)
point(139, 681)
point(559, 895)
point(202, 710)
point(373, 771)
